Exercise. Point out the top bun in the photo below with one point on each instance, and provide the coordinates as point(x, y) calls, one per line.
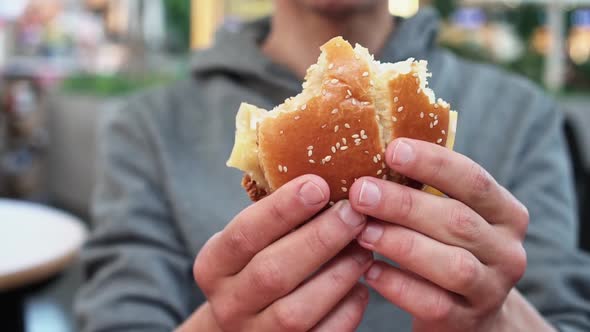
point(338, 128)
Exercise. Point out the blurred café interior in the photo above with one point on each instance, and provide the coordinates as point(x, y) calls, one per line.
point(64, 62)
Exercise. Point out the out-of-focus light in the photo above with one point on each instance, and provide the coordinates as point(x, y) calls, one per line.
point(469, 18)
point(541, 40)
point(579, 38)
point(404, 8)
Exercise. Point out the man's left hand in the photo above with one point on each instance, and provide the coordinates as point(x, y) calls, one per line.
point(459, 256)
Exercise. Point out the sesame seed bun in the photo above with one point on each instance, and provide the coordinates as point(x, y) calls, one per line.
point(338, 128)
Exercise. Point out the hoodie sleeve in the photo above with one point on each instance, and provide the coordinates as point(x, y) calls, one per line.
point(138, 273)
point(557, 281)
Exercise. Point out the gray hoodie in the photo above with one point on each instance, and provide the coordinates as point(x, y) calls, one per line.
point(163, 188)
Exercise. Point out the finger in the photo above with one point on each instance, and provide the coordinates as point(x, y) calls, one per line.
point(347, 316)
point(311, 302)
point(285, 264)
point(422, 299)
point(443, 219)
point(449, 267)
point(259, 225)
point(458, 177)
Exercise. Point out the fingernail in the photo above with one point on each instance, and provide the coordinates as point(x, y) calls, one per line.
point(348, 215)
point(402, 153)
point(373, 273)
point(369, 194)
point(362, 257)
point(311, 193)
point(372, 233)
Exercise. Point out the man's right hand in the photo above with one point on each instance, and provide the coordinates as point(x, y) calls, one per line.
point(259, 274)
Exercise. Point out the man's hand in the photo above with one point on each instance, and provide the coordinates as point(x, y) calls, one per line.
point(459, 257)
point(260, 275)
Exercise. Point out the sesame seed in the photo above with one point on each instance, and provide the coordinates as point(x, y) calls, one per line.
point(347, 126)
point(336, 127)
point(435, 122)
point(421, 115)
point(334, 111)
point(439, 140)
point(327, 158)
point(324, 125)
point(379, 172)
point(310, 147)
point(364, 137)
point(357, 141)
point(362, 132)
point(395, 100)
point(355, 136)
point(280, 168)
point(333, 149)
point(343, 140)
point(281, 132)
point(344, 148)
point(375, 160)
point(366, 103)
point(431, 125)
point(343, 181)
point(365, 74)
point(285, 169)
point(348, 92)
point(344, 189)
point(435, 105)
point(431, 115)
point(379, 157)
point(443, 132)
point(297, 117)
point(347, 96)
point(330, 66)
point(394, 119)
point(334, 81)
point(311, 161)
point(382, 165)
point(400, 109)
point(337, 145)
point(366, 152)
point(418, 91)
point(309, 153)
point(354, 102)
point(436, 116)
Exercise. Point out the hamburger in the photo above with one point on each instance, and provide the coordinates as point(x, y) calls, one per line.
point(351, 107)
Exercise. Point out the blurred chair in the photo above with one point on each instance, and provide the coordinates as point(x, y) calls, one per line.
point(578, 139)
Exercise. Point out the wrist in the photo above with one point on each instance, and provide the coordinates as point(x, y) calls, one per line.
point(202, 320)
point(517, 314)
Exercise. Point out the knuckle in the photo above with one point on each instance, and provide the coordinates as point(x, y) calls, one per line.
point(337, 277)
point(439, 164)
point(404, 247)
point(406, 203)
point(318, 241)
point(464, 269)
point(462, 224)
point(402, 288)
point(278, 214)
point(352, 315)
point(439, 308)
point(480, 182)
point(289, 317)
point(522, 219)
point(225, 313)
point(238, 242)
point(266, 277)
point(518, 263)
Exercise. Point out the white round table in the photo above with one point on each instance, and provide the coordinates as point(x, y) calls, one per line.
point(36, 243)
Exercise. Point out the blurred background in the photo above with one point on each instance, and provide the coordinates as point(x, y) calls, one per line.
point(64, 62)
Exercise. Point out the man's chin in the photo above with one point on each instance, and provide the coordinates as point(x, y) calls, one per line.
point(340, 8)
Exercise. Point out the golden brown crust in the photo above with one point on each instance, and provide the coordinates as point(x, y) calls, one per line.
point(254, 191)
point(335, 136)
